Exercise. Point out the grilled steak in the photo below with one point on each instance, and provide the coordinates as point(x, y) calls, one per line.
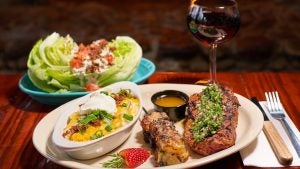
point(223, 137)
point(169, 147)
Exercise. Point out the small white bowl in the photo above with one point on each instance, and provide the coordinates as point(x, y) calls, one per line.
point(100, 146)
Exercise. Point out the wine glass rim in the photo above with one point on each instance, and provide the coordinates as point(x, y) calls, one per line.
point(213, 4)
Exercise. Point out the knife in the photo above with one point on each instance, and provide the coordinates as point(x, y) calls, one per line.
point(279, 147)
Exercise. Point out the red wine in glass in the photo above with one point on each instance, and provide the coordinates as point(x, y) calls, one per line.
point(213, 22)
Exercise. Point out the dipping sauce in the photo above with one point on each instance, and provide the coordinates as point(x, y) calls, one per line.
point(169, 101)
point(172, 102)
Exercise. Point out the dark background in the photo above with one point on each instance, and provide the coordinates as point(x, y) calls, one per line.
point(268, 40)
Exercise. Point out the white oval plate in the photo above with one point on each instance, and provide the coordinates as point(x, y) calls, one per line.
point(250, 123)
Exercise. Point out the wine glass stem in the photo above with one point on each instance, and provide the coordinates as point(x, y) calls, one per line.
point(212, 63)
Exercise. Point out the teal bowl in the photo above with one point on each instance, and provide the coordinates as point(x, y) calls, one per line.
point(144, 71)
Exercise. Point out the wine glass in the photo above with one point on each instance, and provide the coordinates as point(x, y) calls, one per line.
point(213, 22)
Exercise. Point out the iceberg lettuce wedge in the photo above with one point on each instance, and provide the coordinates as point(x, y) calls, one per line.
point(49, 64)
point(128, 55)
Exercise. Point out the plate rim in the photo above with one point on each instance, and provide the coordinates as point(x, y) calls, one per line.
point(203, 161)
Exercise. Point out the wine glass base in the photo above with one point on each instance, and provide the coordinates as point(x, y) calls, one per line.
point(203, 82)
point(207, 82)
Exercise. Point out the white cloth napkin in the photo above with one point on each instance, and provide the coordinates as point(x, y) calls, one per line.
point(260, 154)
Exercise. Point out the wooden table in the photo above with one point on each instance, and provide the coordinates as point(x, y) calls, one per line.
point(19, 114)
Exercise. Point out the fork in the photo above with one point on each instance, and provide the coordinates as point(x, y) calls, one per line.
point(276, 111)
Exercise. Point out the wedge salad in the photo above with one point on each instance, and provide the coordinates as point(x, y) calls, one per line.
point(59, 64)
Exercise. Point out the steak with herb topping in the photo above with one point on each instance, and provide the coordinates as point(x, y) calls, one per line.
point(225, 136)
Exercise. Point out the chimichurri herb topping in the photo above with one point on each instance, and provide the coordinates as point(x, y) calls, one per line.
point(211, 118)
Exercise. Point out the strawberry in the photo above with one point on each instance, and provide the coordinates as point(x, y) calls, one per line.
point(132, 157)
